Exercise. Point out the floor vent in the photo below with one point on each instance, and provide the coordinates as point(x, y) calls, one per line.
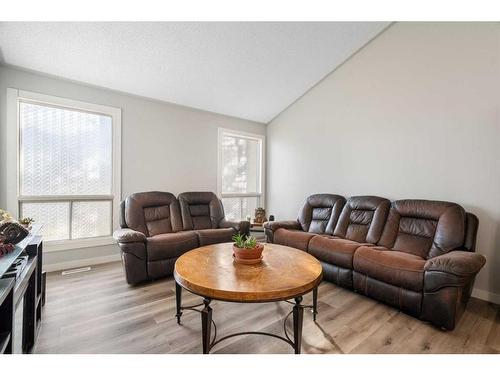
point(76, 270)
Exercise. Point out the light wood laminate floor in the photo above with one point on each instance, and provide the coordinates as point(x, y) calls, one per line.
point(97, 312)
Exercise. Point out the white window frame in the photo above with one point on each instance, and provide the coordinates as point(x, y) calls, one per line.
point(253, 136)
point(14, 98)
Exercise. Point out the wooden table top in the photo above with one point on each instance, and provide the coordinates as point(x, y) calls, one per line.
point(284, 273)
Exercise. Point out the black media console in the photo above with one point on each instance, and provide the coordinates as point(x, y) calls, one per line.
point(22, 295)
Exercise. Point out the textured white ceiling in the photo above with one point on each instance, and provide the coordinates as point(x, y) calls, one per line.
point(250, 70)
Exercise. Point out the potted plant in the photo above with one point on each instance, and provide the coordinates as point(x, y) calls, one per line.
point(246, 249)
point(26, 222)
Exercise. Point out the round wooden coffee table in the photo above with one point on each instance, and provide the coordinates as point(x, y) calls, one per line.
point(284, 274)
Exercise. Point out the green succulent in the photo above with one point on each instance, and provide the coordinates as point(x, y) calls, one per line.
point(244, 242)
point(27, 220)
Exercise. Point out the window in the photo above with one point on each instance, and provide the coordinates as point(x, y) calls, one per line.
point(241, 177)
point(69, 174)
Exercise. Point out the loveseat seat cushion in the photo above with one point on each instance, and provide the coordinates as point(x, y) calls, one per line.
point(171, 245)
point(211, 236)
point(390, 266)
point(337, 251)
point(293, 238)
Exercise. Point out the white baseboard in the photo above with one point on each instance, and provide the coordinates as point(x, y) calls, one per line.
point(486, 296)
point(81, 263)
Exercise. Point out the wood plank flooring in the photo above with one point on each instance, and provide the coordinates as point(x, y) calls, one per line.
point(97, 312)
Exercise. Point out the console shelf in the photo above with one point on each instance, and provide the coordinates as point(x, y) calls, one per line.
point(4, 341)
point(21, 299)
point(6, 314)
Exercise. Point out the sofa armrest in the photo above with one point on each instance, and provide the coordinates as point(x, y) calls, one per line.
point(285, 224)
point(459, 263)
point(271, 226)
point(242, 227)
point(127, 235)
point(448, 282)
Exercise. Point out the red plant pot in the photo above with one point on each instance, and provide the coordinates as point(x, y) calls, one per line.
point(248, 254)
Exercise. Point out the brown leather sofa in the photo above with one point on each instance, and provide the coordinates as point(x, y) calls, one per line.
point(156, 228)
point(416, 255)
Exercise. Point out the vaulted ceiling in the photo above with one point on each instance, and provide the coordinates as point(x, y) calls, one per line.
point(250, 70)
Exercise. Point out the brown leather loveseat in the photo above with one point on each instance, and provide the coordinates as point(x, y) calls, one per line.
point(416, 255)
point(156, 228)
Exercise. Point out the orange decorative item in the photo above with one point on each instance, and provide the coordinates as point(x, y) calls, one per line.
point(248, 256)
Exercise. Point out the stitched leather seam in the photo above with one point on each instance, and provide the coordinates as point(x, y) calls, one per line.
point(451, 273)
point(209, 236)
point(132, 254)
point(421, 217)
point(385, 266)
point(399, 296)
point(416, 234)
point(445, 285)
point(336, 251)
point(172, 242)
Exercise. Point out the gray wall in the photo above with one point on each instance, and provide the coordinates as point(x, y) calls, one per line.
point(414, 114)
point(164, 146)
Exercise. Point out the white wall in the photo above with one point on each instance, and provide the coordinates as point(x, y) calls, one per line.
point(414, 114)
point(164, 146)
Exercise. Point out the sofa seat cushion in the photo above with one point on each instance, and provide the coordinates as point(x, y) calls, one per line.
point(333, 250)
point(390, 266)
point(293, 238)
point(170, 245)
point(211, 236)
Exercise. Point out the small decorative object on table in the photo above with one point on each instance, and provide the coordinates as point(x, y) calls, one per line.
point(11, 231)
point(247, 250)
point(5, 248)
point(260, 216)
point(4, 215)
point(26, 222)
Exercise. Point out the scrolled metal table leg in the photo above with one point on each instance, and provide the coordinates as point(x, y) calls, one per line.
point(298, 315)
point(315, 303)
point(178, 301)
point(206, 325)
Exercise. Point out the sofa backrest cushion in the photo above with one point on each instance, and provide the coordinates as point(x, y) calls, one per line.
point(471, 226)
point(320, 213)
point(152, 213)
point(363, 219)
point(424, 228)
point(200, 210)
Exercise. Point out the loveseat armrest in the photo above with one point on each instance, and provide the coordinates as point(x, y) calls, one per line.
point(127, 235)
point(242, 227)
point(448, 282)
point(459, 263)
point(272, 226)
point(285, 224)
point(454, 269)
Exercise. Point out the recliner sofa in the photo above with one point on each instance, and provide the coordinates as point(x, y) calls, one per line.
point(416, 255)
point(157, 228)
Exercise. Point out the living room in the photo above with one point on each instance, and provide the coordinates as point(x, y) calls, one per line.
point(180, 187)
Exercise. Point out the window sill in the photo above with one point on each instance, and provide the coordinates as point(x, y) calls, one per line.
point(52, 246)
